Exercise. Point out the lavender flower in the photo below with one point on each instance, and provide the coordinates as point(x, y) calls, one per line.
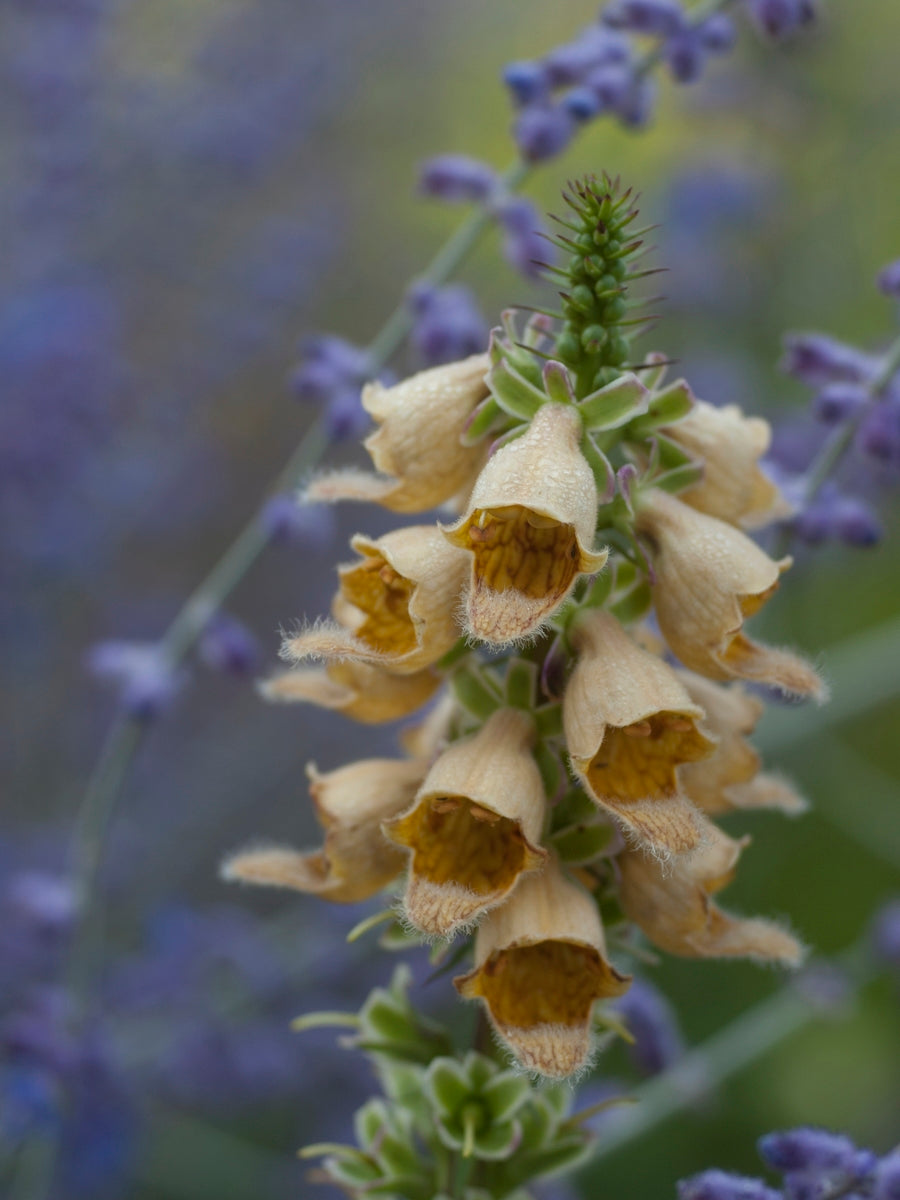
point(543, 130)
point(331, 374)
point(886, 934)
point(147, 683)
point(651, 1020)
point(889, 279)
point(288, 522)
point(658, 18)
point(448, 324)
point(781, 18)
point(834, 516)
point(524, 245)
point(720, 1185)
point(227, 645)
point(457, 178)
point(818, 360)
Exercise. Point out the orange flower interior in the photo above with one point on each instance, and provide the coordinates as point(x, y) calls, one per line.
point(520, 550)
point(457, 842)
point(383, 595)
point(638, 761)
point(550, 983)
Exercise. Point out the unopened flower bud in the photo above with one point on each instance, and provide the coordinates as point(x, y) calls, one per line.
point(540, 964)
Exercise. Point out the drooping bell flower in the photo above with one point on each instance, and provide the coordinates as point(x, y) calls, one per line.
point(355, 860)
point(629, 723)
point(475, 826)
point(529, 529)
point(540, 965)
point(365, 693)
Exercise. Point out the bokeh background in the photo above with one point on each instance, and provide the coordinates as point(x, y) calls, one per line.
point(189, 189)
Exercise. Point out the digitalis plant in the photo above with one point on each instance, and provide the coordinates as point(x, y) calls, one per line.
point(577, 612)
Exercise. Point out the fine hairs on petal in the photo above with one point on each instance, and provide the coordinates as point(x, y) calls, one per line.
point(324, 640)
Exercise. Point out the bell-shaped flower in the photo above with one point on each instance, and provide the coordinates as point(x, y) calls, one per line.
point(540, 964)
point(529, 528)
point(629, 723)
point(731, 777)
point(730, 445)
point(672, 903)
point(359, 690)
point(355, 860)
point(475, 826)
point(396, 606)
point(709, 578)
point(417, 447)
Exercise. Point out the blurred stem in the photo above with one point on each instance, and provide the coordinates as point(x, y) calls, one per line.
point(746, 1039)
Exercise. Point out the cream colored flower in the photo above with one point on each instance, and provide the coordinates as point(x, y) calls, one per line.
point(356, 860)
point(731, 778)
point(733, 487)
point(629, 723)
point(417, 446)
point(672, 903)
point(540, 964)
point(366, 693)
point(709, 578)
point(396, 605)
point(529, 528)
point(475, 825)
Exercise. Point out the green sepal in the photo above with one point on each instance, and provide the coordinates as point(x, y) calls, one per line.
point(577, 845)
point(471, 689)
point(514, 394)
point(611, 407)
point(550, 768)
point(397, 1156)
point(604, 475)
point(665, 408)
point(575, 808)
point(548, 719)
point(353, 1172)
point(520, 684)
point(412, 1187)
point(505, 1095)
point(598, 592)
point(487, 417)
point(679, 478)
point(558, 383)
point(498, 1141)
point(369, 1121)
point(633, 604)
point(563, 1154)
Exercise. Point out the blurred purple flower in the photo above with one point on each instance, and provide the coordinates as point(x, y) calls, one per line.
point(781, 18)
point(331, 374)
point(227, 645)
point(659, 18)
point(817, 360)
point(720, 1185)
point(147, 682)
point(290, 522)
point(525, 243)
point(448, 325)
point(651, 1020)
point(889, 279)
point(456, 178)
point(543, 130)
point(886, 934)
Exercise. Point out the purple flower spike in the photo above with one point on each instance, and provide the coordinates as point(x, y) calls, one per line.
point(542, 131)
point(856, 523)
point(527, 81)
point(345, 418)
point(808, 1149)
point(880, 432)
point(889, 279)
point(288, 522)
point(721, 1185)
point(816, 359)
point(524, 243)
point(582, 103)
point(636, 106)
point(886, 934)
point(227, 645)
point(781, 18)
point(329, 363)
point(147, 681)
point(718, 33)
point(685, 55)
point(837, 402)
point(448, 324)
point(457, 179)
point(887, 1178)
point(595, 46)
point(659, 18)
point(651, 1019)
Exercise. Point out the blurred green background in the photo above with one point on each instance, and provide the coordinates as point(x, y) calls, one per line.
point(806, 137)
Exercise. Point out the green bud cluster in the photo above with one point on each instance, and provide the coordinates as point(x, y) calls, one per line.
point(444, 1126)
point(593, 340)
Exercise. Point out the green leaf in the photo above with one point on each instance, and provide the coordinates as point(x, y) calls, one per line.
point(561, 1155)
point(369, 1121)
point(613, 406)
point(505, 1094)
point(604, 475)
point(558, 383)
point(550, 768)
point(447, 1085)
point(679, 478)
point(353, 1172)
point(548, 719)
point(397, 1156)
point(472, 691)
point(515, 395)
point(634, 604)
point(479, 1070)
point(599, 590)
point(665, 408)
